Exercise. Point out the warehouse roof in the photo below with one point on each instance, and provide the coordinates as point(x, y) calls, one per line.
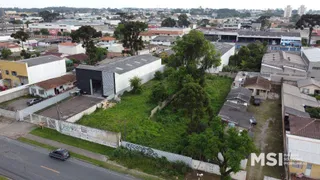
point(41, 60)
point(223, 47)
point(164, 39)
point(123, 65)
point(312, 54)
point(308, 82)
point(268, 33)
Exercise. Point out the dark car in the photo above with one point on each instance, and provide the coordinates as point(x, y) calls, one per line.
point(61, 154)
point(257, 102)
point(34, 101)
point(253, 121)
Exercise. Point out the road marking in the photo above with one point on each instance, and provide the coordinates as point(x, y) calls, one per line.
point(51, 169)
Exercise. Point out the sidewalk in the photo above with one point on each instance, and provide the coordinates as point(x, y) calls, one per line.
point(73, 149)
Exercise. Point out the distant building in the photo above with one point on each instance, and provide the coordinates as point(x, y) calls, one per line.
point(287, 12)
point(71, 48)
point(1, 12)
point(226, 50)
point(302, 10)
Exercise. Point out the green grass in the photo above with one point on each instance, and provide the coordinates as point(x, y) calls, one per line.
point(3, 178)
point(166, 129)
point(132, 161)
point(56, 136)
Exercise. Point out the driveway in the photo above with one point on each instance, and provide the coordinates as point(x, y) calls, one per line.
point(14, 129)
point(15, 104)
point(70, 107)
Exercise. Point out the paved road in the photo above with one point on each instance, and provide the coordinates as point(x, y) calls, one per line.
point(24, 162)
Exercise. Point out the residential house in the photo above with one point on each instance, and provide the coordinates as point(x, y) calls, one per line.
point(239, 96)
point(54, 86)
point(108, 39)
point(241, 77)
point(303, 146)
point(226, 50)
point(78, 58)
point(12, 46)
point(259, 86)
point(71, 48)
point(283, 65)
point(109, 79)
point(309, 86)
point(163, 40)
point(33, 70)
point(147, 36)
point(115, 48)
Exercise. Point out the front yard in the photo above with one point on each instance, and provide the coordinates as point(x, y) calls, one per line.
point(267, 137)
point(165, 129)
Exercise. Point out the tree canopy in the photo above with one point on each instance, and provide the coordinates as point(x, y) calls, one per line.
point(308, 21)
point(5, 53)
point(44, 31)
point(85, 34)
point(118, 32)
point(131, 36)
point(48, 16)
point(168, 22)
point(21, 36)
point(183, 20)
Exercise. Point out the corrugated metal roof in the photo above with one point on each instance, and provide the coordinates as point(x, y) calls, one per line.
point(313, 54)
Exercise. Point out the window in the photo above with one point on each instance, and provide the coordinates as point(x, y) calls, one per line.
point(7, 72)
point(41, 91)
point(297, 164)
point(316, 68)
point(33, 91)
point(14, 73)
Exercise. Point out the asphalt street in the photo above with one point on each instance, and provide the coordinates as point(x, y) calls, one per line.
point(20, 161)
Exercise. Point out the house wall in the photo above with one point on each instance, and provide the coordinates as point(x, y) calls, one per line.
point(19, 67)
point(224, 61)
point(84, 76)
point(315, 169)
point(34, 90)
point(145, 72)
point(46, 71)
point(147, 38)
point(310, 88)
point(17, 49)
point(255, 89)
point(71, 49)
point(314, 70)
point(160, 43)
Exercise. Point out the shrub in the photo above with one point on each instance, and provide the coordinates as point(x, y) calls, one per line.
point(168, 71)
point(159, 93)
point(135, 84)
point(158, 75)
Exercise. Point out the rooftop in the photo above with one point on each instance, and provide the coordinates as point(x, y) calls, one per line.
point(313, 54)
point(223, 47)
point(239, 93)
point(107, 38)
point(164, 39)
point(41, 60)
point(284, 59)
point(268, 34)
point(305, 127)
point(123, 65)
point(258, 81)
point(307, 82)
point(68, 44)
point(56, 82)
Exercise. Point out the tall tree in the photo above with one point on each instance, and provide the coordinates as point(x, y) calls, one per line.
point(195, 53)
point(308, 21)
point(21, 36)
point(27, 23)
point(131, 36)
point(118, 32)
point(195, 102)
point(183, 20)
point(44, 32)
point(224, 147)
point(295, 18)
point(168, 22)
point(48, 16)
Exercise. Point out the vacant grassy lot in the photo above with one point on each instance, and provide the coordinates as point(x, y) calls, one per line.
point(267, 137)
point(165, 129)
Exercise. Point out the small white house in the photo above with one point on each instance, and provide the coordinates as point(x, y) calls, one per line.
point(54, 86)
point(71, 48)
point(226, 50)
point(163, 40)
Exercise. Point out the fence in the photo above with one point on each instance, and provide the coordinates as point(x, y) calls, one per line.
point(78, 116)
point(194, 164)
point(7, 113)
point(43, 104)
point(13, 93)
point(106, 138)
point(161, 106)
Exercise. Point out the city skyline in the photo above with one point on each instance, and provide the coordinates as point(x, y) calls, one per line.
point(232, 4)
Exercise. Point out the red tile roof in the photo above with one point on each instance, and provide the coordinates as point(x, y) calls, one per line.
point(258, 81)
point(56, 82)
point(306, 127)
point(8, 45)
point(107, 38)
point(160, 32)
point(52, 53)
point(79, 57)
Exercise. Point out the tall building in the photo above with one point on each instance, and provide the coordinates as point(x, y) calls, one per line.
point(302, 10)
point(287, 11)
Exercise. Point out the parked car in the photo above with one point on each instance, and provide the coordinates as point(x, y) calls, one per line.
point(3, 88)
point(60, 153)
point(253, 121)
point(257, 102)
point(34, 101)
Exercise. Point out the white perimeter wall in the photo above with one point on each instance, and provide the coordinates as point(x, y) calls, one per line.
point(224, 61)
point(46, 71)
point(145, 72)
point(71, 49)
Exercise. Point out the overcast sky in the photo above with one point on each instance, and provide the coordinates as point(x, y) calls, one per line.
point(234, 4)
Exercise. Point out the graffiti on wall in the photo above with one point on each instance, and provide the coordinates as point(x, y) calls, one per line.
point(145, 150)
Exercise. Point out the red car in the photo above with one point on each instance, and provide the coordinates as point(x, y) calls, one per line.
point(3, 88)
